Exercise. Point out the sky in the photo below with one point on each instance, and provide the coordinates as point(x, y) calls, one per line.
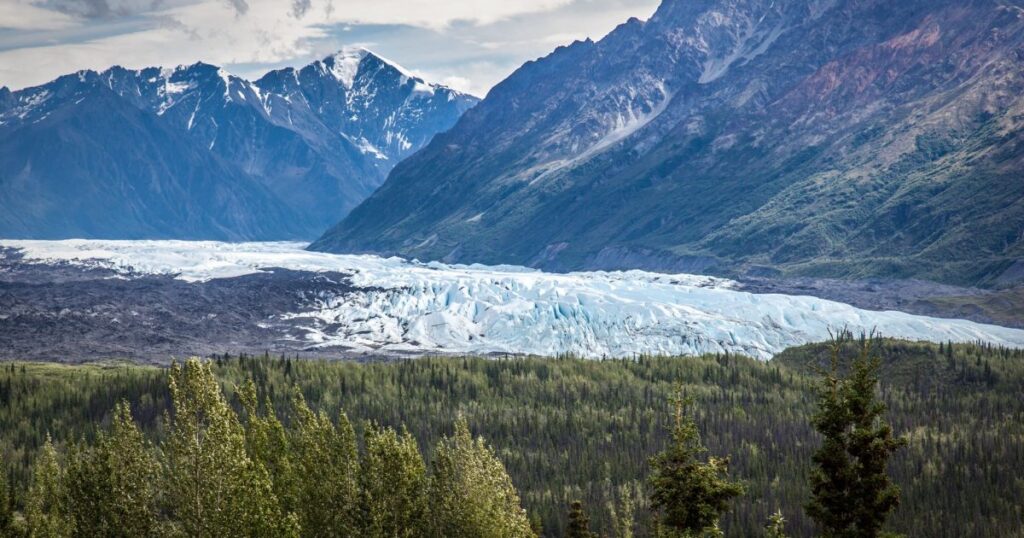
point(469, 45)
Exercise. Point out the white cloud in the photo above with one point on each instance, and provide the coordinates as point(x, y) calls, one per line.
point(22, 15)
point(438, 14)
point(470, 44)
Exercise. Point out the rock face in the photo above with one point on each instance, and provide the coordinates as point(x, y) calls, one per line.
point(841, 138)
point(193, 152)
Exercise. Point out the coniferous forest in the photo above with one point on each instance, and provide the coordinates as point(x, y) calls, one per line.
point(824, 440)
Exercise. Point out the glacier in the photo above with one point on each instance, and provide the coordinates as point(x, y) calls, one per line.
point(408, 307)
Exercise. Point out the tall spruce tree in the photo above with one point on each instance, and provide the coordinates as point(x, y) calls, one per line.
point(393, 480)
point(689, 495)
point(213, 487)
point(851, 492)
point(579, 522)
point(471, 494)
point(46, 506)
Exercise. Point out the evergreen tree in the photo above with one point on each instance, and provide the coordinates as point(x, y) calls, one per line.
point(471, 494)
point(851, 493)
point(87, 482)
point(6, 509)
point(622, 512)
point(213, 487)
point(112, 485)
point(689, 495)
point(46, 507)
point(776, 526)
point(327, 460)
point(579, 522)
point(394, 481)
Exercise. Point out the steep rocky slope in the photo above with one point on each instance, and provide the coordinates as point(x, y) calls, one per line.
point(841, 138)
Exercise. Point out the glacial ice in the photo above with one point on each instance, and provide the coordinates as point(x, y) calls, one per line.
point(406, 306)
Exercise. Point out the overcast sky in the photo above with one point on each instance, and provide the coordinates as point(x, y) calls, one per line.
point(467, 44)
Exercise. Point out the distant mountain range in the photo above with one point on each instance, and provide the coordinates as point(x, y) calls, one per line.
point(845, 138)
point(196, 153)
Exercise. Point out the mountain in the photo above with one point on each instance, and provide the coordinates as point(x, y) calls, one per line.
point(284, 157)
point(844, 138)
point(83, 162)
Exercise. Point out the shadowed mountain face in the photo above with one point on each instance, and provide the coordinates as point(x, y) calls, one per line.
point(843, 138)
point(195, 153)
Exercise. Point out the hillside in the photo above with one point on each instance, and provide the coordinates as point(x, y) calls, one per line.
point(841, 138)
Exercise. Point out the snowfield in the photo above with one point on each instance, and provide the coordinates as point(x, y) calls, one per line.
point(404, 306)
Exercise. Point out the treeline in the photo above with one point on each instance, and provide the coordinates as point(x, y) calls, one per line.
point(218, 473)
point(570, 429)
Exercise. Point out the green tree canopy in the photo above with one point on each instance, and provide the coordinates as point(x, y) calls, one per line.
point(213, 487)
point(471, 494)
point(46, 508)
point(689, 494)
point(393, 485)
point(112, 484)
point(327, 461)
point(579, 522)
point(851, 492)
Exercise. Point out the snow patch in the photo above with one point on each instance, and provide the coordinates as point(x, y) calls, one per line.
point(31, 102)
point(345, 65)
point(630, 122)
point(366, 148)
point(752, 41)
point(421, 88)
point(626, 122)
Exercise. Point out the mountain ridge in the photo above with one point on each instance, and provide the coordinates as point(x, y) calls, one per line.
point(287, 141)
point(834, 138)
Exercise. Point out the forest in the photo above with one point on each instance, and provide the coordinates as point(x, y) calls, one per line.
point(470, 446)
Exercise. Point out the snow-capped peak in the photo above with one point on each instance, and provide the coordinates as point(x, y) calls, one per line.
point(344, 64)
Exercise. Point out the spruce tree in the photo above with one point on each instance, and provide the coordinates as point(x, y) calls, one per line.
point(622, 511)
point(46, 506)
point(393, 481)
point(851, 493)
point(776, 526)
point(471, 494)
point(579, 522)
point(689, 495)
point(87, 483)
